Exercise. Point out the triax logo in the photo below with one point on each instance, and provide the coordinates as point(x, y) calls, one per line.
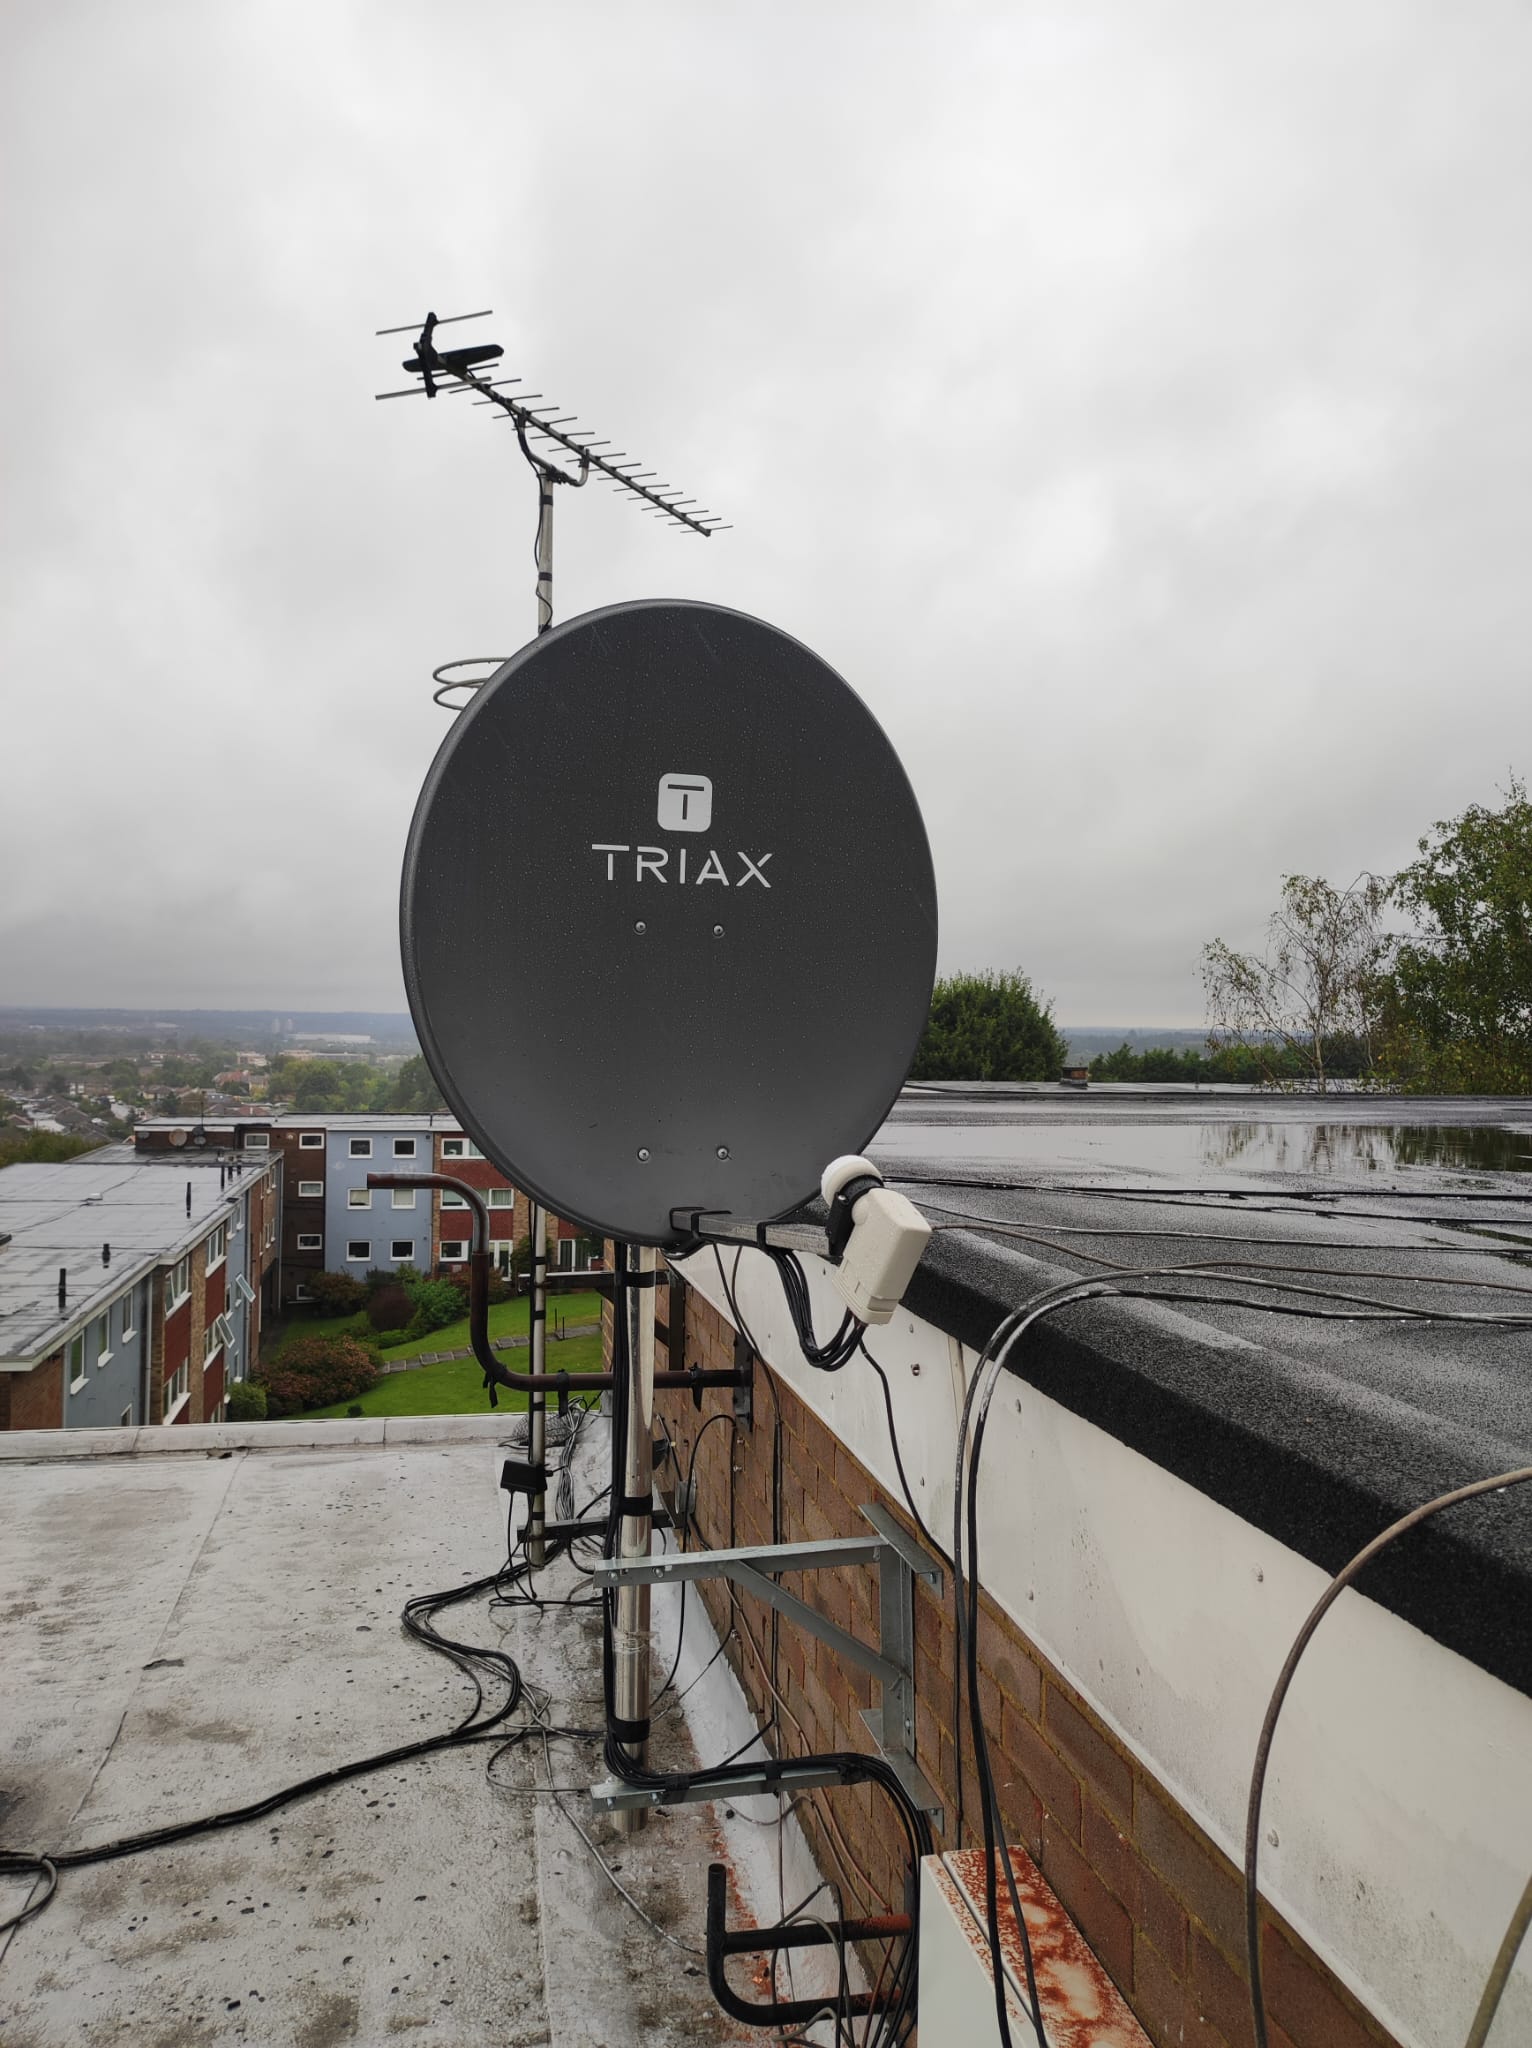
point(685, 805)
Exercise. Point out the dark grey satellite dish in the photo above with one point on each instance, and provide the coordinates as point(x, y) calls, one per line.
point(668, 919)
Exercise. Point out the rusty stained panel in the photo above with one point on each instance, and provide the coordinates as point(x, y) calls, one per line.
point(1082, 2007)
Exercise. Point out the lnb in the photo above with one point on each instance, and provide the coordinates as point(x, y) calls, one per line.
point(876, 1238)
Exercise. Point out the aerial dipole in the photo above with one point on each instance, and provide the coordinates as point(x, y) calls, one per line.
point(548, 440)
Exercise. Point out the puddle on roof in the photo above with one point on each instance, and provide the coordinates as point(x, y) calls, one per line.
point(1347, 1150)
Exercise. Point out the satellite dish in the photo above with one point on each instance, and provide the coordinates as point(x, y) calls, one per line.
point(178, 1137)
point(668, 919)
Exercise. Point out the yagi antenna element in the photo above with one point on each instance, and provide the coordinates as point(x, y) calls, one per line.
point(457, 369)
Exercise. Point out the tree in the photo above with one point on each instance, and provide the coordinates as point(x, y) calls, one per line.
point(1458, 1009)
point(989, 1027)
point(1308, 1008)
point(414, 1088)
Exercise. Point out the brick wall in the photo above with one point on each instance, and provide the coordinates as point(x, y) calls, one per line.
point(1159, 1903)
point(35, 1399)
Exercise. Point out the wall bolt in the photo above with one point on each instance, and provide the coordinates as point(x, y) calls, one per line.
point(643, 1151)
point(915, 1371)
point(718, 931)
point(723, 1151)
point(640, 926)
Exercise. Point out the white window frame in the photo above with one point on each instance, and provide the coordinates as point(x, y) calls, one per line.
point(216, 1246)
point(453, 1201)
point(404, 1148)
point(311, 1141)
point(460, 1148)
point(76, 1379)
point(359, 1198)
point(175, 1402)
point(310, 1241)
point(301, 1293)
point(502, 1198)
point(178, 1284)
point(404, 1198)
point(212, 1343)
point(311, 1191)
point(408, 1253)
point(359, 1148)
point(257, 1141)
point(127, 1419)
point(355, 1257)
point(103, 1322)
point(128, 1320)
point(454, 1251)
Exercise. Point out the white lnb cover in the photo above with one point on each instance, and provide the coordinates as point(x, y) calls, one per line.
point(888, 1236)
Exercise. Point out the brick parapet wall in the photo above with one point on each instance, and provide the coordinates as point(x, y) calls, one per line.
point(1160, 1904)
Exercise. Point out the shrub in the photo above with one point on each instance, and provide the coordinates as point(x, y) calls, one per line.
point(247, 1401)
point(316, 1372)
point(336, 1294)
point(390, 1308)
point(435, 1303)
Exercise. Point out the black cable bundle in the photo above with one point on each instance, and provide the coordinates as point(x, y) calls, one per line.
point(841, 1348)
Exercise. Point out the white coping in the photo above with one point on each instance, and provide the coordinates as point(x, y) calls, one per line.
point(167, 1439)
point(1398, 1815)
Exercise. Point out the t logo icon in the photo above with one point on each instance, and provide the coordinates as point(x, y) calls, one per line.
point(686, 803)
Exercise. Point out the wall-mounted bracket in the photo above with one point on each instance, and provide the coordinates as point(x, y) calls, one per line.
point(900, 1561)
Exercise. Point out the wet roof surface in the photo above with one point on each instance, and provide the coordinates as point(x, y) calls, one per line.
point(188, 1631)
point(1320, 1432)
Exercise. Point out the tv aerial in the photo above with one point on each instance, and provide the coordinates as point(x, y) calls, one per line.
point(549, 438)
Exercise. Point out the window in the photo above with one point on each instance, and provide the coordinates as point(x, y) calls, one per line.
point(177, 1389)
point(359, 1198)
point(302, 1294)
point(361, 1148)
point(257, 1141)
point(243, 1288)
point(404, 1198)
point(177, 1284)
point(403, 1248)
point(126, 1321)
point(99, 1341)
point(310, 1241)
point(566, 1256)
point(311, 1141)
point(127, 1419)
point(217, 1247)
point(502, 1198)
point(452, 1201)
point(212, 1341)
point(311, 1190)
point(460, 1148)
point(454, 1250)
point(359, 1251)
point(76, 1363)
point(404, 1148)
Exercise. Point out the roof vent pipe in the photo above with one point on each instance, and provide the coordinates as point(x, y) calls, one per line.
point(188, 1198)
point(63, 1286)
point(106, 1255)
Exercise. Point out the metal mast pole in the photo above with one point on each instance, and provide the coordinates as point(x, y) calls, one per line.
point(537, 1216)
point(630, 1635)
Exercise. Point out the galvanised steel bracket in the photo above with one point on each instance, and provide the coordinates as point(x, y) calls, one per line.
point(900, 1561)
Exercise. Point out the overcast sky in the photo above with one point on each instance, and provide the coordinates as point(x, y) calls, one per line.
point(1130, 400)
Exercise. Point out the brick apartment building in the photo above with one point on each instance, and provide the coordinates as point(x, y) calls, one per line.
point(333, 1222)
point(130, 1292)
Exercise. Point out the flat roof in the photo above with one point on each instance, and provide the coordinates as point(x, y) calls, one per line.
point(60, 1215)
point(190, 1631)
point(1319, 1432)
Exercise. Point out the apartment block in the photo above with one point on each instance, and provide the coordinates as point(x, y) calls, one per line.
point(132, 1291)
point(333, 1222)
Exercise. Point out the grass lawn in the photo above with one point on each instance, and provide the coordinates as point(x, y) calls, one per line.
point(457, 1387)
point(506, 1319)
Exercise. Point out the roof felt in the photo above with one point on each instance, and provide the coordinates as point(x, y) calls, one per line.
point(1319, 1432)
point(60, 1216)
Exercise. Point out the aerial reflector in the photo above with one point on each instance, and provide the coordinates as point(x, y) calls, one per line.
point(668, 919)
